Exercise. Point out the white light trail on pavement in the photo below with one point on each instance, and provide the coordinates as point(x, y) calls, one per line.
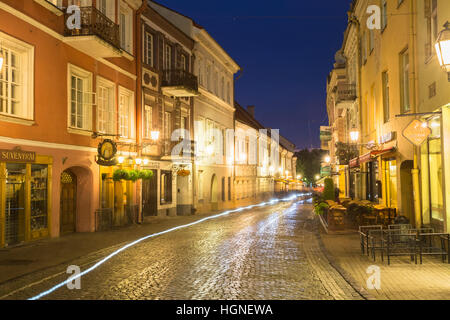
point(109, 257)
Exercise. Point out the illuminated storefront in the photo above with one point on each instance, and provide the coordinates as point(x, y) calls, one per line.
point(25, 201)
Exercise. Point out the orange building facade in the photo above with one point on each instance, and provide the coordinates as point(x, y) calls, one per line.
point(58, 86)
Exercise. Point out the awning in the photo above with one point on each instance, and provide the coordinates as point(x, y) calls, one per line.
point(354, 163)
point(375, 154)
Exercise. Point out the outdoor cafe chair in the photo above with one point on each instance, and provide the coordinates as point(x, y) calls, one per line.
point(364, 236)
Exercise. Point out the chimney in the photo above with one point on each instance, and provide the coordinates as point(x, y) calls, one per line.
point(251, 110)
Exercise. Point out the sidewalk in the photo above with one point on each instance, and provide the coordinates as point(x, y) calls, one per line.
point(402, 280)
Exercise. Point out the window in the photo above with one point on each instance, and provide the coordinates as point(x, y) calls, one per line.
point(222, 88)
point(148, 49)
point(184, 126)
point(88, 3)
point(208, 77)
point(107, 7)
point(106, 115)
point(432, 26)
point(383, 14)
point(126, 114)
point(16, 78)
point(80, 98)
point(386, 107)
point(183, 62)
point(228, 93)
point(126, 27)
point(148, 121)
point(215, 83)
point(167, 57)
point(404, 81)
point(200, 72)
point(166, 187)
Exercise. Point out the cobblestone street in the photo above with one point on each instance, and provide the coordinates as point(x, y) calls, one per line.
point(269, 252)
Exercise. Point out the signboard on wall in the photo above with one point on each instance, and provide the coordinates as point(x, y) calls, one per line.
point(17, 155)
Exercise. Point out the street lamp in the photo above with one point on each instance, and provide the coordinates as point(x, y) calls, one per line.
point(138, 161)
point(354, 135)
point(317, 177)
point(443, 48)
point(154, 135)
point(121, 160)
point(327, 159)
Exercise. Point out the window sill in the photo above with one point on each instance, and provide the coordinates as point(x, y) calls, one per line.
point(50, 7)
point(15, 120)
point(81, 132)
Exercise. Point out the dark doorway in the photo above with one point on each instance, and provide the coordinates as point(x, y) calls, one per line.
point(407, 189)
point(150, 196)
point(68, 202)
point(15, 204)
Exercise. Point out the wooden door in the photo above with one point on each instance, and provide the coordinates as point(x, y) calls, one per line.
point(68, 212)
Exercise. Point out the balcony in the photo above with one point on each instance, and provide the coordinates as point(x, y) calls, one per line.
point(346, 92)
point(98, 36)
point(179, 83)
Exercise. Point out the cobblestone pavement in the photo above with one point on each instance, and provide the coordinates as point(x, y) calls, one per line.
point(267, 252)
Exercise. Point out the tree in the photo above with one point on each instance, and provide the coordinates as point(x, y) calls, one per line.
point(309, 163)
point(346, 152)
point(328, 191)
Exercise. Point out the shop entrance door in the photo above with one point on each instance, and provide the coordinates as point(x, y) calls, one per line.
point(150, 196)
point(15, 204)
point(68, 202)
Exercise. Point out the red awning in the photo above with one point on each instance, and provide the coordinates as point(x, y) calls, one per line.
point(375, 154)
point(354, 163)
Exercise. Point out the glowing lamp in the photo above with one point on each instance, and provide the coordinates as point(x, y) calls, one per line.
point(154, 135)
point(354, 135)
point(121, 160)
point(138, 161)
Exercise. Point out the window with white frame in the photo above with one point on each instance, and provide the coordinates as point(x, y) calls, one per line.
point(106, 107)
point(126, 27)
point(16, 78)
point(126, 113)
point(167, 57)
point(80, 98)
point(148, 121)
point(148, 49)
point(404, 81)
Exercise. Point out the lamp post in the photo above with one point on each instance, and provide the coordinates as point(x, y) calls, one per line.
point(443, 48)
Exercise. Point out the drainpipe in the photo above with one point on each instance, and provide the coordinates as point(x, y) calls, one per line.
point(415, 171)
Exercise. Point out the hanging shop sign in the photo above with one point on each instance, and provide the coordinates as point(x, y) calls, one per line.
point(416, 132)
point(107, 151)
point(17, 155)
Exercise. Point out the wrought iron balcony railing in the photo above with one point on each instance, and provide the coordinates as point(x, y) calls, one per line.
point(181, 79)
point(346, 92)
point(95, 23)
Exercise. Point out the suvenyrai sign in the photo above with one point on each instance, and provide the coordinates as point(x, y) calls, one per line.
point(17, 156)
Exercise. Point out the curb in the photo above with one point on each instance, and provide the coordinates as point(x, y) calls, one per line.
point(347, 276)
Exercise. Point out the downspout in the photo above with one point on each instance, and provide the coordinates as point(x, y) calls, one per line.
point(415, 171)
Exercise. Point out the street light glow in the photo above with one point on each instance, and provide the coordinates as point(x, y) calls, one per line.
point(154, 135)
point(121, 160)
point(354, 135)
point(327, 159)
point(443, 47)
